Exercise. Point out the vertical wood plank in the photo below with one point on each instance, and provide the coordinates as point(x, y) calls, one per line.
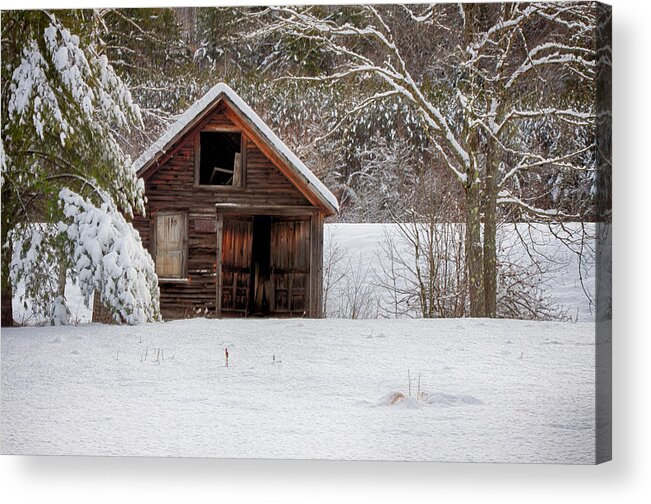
point(154, 231)
point(185, 222)
point(237, 170)
point(237, 235)
point(318, 241)
point(197, 157)
point(218, 264)
point(243, 150)
point(235, 281)
point(316, 265)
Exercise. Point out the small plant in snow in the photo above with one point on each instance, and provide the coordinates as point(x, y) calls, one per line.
point(398, 397)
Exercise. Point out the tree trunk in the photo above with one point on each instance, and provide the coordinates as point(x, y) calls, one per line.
point(61, 288)
point(7, 319)
point(474, 261)
point(490, 231)
point(6, 292)
point(101, 313)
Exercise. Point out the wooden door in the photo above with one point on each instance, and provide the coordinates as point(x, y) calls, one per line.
point(237, 239)
point(290, 265)
point(170, 245)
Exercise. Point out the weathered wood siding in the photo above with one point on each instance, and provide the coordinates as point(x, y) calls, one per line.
point(172, 187)
point(316, 266)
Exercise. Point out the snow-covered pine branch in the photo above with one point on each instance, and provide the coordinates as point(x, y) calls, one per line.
point(65, 95)
point(108, 257)
point(35, 264)
point(103, 254)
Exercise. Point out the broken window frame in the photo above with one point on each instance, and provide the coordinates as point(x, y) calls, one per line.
point(239, 172)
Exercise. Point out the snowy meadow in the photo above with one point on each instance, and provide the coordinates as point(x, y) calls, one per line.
point(376, 389)
point(490, 390)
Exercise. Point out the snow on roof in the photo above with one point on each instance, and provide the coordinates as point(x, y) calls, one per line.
point(185, 120)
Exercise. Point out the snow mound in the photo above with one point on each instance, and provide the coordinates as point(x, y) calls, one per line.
point(397, 398)
point(449, 399)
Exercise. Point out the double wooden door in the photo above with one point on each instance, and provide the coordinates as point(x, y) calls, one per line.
point(265, 265)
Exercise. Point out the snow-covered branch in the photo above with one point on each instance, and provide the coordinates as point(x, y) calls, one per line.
point(575, 62)
point(392, 70)
point(560, 161)
point(506, 198)
point(571, 116)
point(108, 257)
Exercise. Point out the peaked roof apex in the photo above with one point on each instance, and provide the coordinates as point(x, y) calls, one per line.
point(185, 121)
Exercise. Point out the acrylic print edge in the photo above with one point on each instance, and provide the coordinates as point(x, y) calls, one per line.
point(603, 276)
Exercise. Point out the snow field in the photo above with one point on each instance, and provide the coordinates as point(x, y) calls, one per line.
point(497, 390)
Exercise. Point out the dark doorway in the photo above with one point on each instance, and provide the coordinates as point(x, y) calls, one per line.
point(260, 288)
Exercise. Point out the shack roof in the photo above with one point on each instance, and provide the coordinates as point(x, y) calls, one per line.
point(156, 151)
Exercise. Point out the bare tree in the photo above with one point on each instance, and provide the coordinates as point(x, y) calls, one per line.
point(527, 255)
point(357, 297)
point(422, 270)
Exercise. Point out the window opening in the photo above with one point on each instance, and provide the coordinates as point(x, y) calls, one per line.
point(220, 158)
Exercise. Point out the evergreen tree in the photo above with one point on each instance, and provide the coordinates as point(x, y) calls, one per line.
point(65, 113)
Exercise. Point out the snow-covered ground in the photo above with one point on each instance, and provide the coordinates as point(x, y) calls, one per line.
point(495, 390)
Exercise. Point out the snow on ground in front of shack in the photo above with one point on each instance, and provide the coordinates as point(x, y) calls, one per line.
point(494, 390)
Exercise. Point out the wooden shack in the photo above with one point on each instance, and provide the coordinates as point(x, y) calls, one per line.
point(234, 220)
